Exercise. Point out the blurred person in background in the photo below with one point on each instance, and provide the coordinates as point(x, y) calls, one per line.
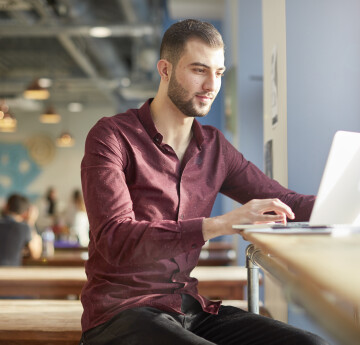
point(18, 236)
point(76, 219)
point(48, 208)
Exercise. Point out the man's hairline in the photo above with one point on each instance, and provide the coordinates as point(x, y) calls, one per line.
point(196, 38)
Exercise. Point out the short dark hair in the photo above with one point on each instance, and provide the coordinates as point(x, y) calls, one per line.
point(176, 36)
point(17, 204)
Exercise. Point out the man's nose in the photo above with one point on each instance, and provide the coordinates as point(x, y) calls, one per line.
point(212, 82)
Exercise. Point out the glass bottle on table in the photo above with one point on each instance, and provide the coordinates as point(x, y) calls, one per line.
point(48, 238)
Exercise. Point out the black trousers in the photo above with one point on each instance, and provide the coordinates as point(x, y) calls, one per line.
point(151, 326)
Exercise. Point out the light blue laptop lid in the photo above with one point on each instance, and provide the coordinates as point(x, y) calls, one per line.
point(338, 198)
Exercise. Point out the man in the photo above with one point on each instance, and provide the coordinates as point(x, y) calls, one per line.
point(17, 231)
point(150, 177)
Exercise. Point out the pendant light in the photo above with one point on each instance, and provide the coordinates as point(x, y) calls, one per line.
point(50, 115)
point(36, 91)
point(65, 140)
point(8, 122)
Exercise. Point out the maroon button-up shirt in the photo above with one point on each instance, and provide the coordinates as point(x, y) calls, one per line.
point(146, 209)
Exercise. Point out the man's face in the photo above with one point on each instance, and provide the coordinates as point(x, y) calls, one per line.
point(196, 79)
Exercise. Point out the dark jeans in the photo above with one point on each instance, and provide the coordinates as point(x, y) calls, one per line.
point(151, 326)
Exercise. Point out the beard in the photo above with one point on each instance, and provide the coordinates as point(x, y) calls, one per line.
point(180, 97)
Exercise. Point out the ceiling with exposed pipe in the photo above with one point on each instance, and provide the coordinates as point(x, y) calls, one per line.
point(94, 53)
point(57, 39)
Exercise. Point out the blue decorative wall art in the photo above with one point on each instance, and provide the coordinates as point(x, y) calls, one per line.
point(17, 169)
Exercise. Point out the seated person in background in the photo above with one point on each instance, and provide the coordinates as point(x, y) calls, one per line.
point(17, 231)
point(48, 210)
point(76, 218)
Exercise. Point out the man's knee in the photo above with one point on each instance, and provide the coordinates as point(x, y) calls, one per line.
point(308, 338)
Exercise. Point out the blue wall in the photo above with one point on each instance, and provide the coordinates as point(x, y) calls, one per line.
point(323, 83)
point(249, 91)
point(250, 77)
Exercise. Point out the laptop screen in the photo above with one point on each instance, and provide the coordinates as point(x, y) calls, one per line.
point(338, 199)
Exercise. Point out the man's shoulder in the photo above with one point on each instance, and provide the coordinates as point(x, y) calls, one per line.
point(116, 123)
point(6, 221)
point(9, 224)
point(128, 117)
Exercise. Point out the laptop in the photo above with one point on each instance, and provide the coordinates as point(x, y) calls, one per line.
point(338, 199)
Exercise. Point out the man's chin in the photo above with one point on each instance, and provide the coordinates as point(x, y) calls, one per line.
point(204, 111)
point(197, 114)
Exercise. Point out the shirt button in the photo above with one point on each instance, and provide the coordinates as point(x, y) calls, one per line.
point(182, 216)
point(194, 246)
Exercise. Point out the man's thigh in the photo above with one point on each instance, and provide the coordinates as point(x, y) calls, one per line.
point(233, 326)
point(141, 326)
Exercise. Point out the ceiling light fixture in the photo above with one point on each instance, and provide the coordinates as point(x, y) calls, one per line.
point(45, 82)
point(36, 91)
point(100, 31)
point(50, 116)
point(8, 123)
point(65, 140)
point(75, 107)
point(125, 82)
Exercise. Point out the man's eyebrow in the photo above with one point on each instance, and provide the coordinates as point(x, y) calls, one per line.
point(206, 66)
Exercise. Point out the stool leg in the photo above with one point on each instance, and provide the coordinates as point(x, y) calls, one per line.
point(252, 281)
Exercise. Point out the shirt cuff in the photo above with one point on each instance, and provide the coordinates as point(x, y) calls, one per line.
point(191, 233)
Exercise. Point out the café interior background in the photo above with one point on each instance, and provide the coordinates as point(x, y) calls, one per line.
point(93, 58)
point(97, 58)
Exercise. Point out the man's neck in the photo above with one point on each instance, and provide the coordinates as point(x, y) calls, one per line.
point(174, 126)
point(18, 218)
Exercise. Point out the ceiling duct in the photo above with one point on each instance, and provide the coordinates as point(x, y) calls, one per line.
point(52, 39)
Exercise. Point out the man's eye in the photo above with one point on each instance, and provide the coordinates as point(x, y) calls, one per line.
point(199, 70)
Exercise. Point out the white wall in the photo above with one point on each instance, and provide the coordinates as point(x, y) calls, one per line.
point(63, 171)
point(250, 80)
point(275, 89)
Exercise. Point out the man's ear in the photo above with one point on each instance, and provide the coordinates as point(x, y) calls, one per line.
point(25, 215)
point(164, 68)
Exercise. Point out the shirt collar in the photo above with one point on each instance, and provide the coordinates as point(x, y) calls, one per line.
point(148, 123)
point(9, 218)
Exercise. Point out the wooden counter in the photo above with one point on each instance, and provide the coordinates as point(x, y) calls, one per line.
point(318, 272)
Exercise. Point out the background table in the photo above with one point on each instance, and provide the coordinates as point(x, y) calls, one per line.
point(214, 254)
point(58, 282)
point(41, 282)
point(216, 282)
point(69, 257)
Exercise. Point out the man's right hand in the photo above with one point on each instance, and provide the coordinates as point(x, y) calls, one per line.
point(256, 211)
